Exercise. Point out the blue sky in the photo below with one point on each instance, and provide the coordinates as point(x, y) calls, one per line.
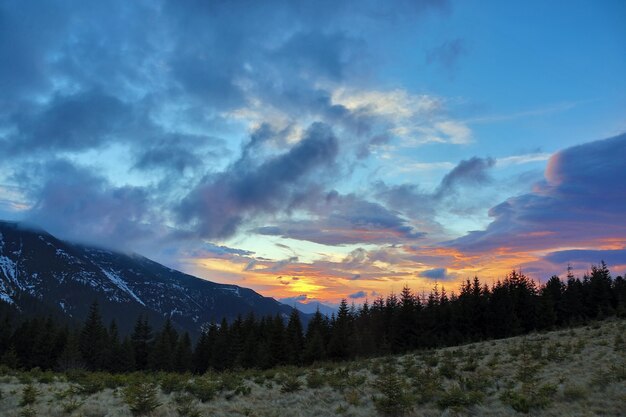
point(321, 149)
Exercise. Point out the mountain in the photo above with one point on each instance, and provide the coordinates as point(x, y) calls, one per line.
point(311, 307)
point(37, 268)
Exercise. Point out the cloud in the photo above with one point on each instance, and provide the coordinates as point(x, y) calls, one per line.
point(291, 300)
point(345, 219)
point(414, 119)
point(178, 152)
point(358, 294)
point(522, 159)
point(473, 171)
point(437, 273)
point(588, 256)
point(72, 202)
point(69, 123)
point(447, 54)
point(580, 203)
point(220, 203)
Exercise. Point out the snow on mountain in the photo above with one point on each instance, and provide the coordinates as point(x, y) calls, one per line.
point(70, 277)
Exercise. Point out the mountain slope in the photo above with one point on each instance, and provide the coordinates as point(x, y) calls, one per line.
point(70, 277)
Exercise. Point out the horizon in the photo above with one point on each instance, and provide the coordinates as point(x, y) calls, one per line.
point(313, 153)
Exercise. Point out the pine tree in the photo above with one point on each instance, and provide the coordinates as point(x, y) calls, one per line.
point(93, 339)
point(71, 357)
point(162, 355)
point(599, 299)
point(314, 345)
point(183, 354)
point(294, 338)
point(126, 356)
point(277, 342)
point(405, 323)
point(339, 345)
point(202, 355)
point(220, 356)
point(141, 340)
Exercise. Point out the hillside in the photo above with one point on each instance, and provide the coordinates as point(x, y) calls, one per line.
point(66, 278)
point(572, 372)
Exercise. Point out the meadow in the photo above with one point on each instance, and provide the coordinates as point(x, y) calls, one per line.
point(579, 371)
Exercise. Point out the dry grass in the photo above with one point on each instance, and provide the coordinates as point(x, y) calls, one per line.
point(577, 372)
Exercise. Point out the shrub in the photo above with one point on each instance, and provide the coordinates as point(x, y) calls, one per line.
point(315, 380)
point(529, 397)
point(573, 392)
point(185, 406)
point(618, 371)
point(29, 395)
point(457, 398)
point(172, 383)
point(478, 381)
point(28, 412)
point(395, 400)
point(427, 384)
point(203, 389)
point(291, 384)
point(355, 380)
point(447, 368)
point(338, 379)
point(431, 360)
point(90, 384)
point(470, 365)
point(71, 405)
point(230, 381)
point(352, 396)
point(516, 400)
point(555, 352)
point(45, 377)
point(141, 398)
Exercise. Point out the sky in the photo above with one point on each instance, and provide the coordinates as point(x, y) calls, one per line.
point(315, 151)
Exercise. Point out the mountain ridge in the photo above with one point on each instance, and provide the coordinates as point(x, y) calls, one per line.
point(70, 276)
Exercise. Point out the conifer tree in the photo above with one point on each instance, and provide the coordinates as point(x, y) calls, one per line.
point(141, 340)
point(294, 338)
point(71, 357)
point(314, 344)
point(183, 354)
point(277, 341)
point(339, 345)
point(93, 339)
point(220, 356)
point(162, 356)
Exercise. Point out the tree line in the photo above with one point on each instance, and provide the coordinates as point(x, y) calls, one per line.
point(395, 324)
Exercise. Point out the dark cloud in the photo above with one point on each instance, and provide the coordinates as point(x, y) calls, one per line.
point(424, 207)
point(74, 203)
point(153, 77)
point(588, 256)
point(179, 152)
point(358, 294)
point(69, 123)
point(220, 203)
point(320, 54)
point(345, 219)
point(447, 54)
point(207, 249)
point(23, 50)
point(437, 273)
point(473, 171)
point(581, 203)
point(291, 300)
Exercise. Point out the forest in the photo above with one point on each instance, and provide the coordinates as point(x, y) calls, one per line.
point(398, 323)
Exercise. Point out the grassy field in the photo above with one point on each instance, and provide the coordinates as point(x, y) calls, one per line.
point(573, 372)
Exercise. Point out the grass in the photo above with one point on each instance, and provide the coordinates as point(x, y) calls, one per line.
point(573, 372)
